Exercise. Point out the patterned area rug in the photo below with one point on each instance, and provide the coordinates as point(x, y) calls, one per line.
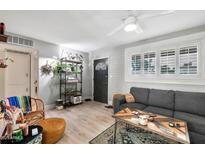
point(127, 134)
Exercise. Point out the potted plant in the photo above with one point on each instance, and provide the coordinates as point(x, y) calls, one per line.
point(72, 67)
point(3, 62)
point(59, 68)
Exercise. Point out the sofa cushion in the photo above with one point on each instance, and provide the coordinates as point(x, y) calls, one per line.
point(195, 123)
point(133, 106)
point(196, 138)
point(140, 94)
point(190, 102)
point(161, 98)
point(158, 110)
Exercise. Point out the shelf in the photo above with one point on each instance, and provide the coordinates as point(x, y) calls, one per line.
point(71, 81)
point(63, 81)
point(3, 38)
point(71, 61)
point(78, 94)
point(64, 72)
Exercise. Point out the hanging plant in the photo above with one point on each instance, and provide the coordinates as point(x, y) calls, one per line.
point(3, 62)
point(46, 69)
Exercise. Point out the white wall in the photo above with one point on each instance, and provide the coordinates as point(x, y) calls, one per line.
point(117, 83)
point(49, 86)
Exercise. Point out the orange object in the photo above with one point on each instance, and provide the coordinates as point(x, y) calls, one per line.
point(129, 98)
point(124, 112)
point(53, 130)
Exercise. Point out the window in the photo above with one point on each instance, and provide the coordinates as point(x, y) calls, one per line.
point(136, 64)
point(188, 59)
point(176, 62)
point(149, 63)
point(20, 41)
point(168, 62)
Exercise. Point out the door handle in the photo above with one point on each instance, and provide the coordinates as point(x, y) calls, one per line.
point(26, 89)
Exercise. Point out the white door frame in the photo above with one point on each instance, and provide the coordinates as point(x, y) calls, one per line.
point(4, 47)
point(23, 53)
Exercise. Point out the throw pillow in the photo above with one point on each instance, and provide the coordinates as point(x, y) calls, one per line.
point(129, 98)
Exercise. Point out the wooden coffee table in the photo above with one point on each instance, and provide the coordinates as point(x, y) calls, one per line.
point(159, 125)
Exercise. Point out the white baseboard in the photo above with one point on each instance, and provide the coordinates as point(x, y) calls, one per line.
point(50, 106)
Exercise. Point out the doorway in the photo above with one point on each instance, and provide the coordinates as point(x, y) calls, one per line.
point(101, 80)
point(18, 74)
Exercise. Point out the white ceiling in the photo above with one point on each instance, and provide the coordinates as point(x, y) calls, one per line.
point(86, 30)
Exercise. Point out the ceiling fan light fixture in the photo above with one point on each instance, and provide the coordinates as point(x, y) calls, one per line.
point(130, 27)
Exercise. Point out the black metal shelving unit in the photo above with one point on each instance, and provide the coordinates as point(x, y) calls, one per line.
point(71, 87)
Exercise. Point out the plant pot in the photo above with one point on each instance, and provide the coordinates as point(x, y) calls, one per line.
point(72, 69)
point(3, 66)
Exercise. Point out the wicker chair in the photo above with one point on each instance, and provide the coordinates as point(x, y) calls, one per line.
point(33, 117)
point(37, 113)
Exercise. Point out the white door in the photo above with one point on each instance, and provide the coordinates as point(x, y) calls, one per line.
point(18, 74)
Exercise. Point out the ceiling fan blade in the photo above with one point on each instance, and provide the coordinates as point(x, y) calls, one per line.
point(152, 15)
point(116, 30)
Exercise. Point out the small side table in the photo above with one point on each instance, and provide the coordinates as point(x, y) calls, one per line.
point(36, 139)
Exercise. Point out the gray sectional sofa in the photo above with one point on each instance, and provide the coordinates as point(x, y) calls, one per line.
point(187, 106)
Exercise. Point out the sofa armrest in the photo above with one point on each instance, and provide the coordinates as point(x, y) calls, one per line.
point(116, 105)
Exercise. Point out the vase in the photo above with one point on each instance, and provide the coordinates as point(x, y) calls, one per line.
point(2, 28)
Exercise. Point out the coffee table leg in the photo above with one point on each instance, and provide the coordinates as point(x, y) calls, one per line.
point(115, 131)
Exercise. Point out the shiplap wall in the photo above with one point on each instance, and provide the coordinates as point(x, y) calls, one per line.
point(115, 68)
point(116, 56)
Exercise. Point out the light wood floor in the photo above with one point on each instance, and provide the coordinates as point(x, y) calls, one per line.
point(83, 121)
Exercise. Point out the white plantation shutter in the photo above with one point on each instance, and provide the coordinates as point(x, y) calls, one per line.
point(136, 64)
point(168, 62)
point(188, 57)
point(150, 63)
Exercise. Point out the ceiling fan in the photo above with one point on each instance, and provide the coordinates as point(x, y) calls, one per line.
point(131, 23)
